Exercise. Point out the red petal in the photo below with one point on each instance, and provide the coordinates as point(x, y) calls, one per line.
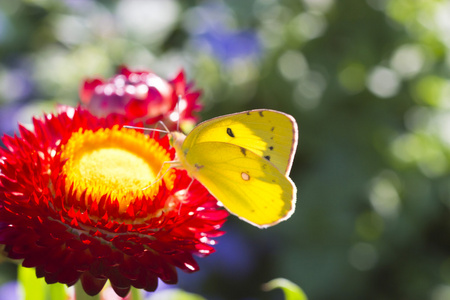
point(122, 292)
point(88, 89)
point(74, 244)
point(129, 268)
point(68, 276)
point(91, 285)
point(117, 279)
point(151, 281)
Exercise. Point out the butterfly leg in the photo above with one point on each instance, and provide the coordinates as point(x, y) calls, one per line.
point(184, 194)
point(173, 164)
point(189, 186)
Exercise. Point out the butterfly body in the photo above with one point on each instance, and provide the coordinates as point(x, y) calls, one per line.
point(244, 160)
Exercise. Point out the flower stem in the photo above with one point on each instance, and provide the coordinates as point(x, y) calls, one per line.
point(80, 294)
point(136, 294)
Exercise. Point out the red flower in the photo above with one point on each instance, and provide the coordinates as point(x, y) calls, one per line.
point(142, 96)
point(72, 204)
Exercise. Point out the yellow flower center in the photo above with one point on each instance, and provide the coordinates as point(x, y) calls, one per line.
point(122, 163)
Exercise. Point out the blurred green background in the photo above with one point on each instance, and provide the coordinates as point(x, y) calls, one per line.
point(367, 81)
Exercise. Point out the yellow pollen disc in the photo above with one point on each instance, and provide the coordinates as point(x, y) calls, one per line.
point(122, 163)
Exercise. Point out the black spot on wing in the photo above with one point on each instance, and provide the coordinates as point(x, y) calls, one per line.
point(272, 129)
point(261, 113)
point(244, 151)
point(271, 148)
point(230, 132)
point(267, 157)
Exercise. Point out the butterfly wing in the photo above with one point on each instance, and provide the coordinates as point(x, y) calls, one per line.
point(248, 185)
point(267, 133)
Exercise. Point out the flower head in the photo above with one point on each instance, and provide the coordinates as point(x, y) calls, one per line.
point(73, 204)
point(142, 96)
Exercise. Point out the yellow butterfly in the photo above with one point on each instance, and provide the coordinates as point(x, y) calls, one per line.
point(244, 160)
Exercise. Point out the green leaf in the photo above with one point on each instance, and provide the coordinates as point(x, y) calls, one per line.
point(290, 289)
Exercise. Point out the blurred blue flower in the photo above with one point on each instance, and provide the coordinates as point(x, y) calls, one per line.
point(235, 259)
point(211, 29)
point(230, 45)
point(234, 256)
point(8, 122)
point(16, 84)
point(9, 291)
point(17, 89)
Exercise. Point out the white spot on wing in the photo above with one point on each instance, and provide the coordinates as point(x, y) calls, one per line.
point(245, 176)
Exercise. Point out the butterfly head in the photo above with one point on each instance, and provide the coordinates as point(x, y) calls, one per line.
point(176, 140)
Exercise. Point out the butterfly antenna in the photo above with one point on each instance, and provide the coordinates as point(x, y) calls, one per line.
point(164, 126)
point(178, 111)
point(148, 129)
point(165, 130)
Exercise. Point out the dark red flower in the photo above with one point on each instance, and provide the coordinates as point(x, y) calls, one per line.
point(142, 96)
point(72, 204)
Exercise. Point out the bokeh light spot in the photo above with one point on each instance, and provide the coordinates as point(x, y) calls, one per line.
point(363, 256)
point(440, 292)
point(292, 65)
point(383, 82)
point(352, 77)
point(384, 196)
point(408, 60)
